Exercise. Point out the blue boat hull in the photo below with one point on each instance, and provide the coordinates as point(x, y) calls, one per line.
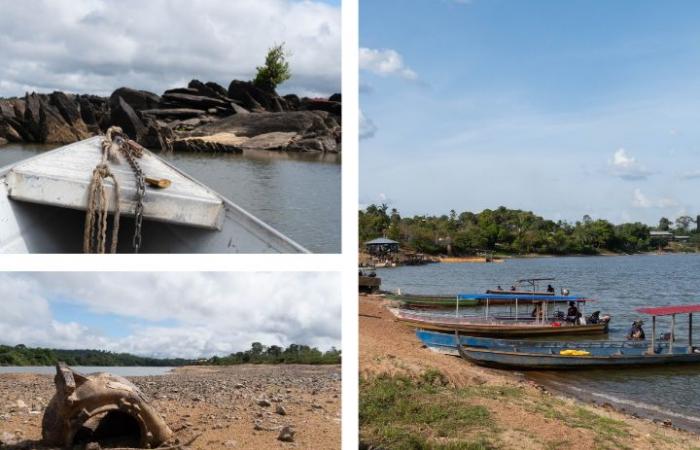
point(443, 342)
point(536, 359)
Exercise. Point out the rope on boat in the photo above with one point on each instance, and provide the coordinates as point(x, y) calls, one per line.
point(95, 233)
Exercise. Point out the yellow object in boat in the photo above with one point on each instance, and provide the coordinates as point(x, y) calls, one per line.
point(572, 352)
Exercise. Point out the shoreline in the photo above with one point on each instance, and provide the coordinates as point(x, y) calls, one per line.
point(667, 418)
point(527, 414)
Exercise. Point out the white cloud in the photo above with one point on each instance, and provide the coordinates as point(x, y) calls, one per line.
point(367, 127)
point(95, 46)
point(627, 167)
point(175, 314)
point(640, 200)
point(385, 62)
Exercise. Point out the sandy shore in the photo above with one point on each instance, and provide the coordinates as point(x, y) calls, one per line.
point(522, 415)
point(220, 403)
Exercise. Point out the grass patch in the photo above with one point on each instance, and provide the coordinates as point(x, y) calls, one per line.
point(404, 413)
point(609, 433)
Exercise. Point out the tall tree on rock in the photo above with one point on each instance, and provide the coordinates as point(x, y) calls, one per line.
point(275, 71)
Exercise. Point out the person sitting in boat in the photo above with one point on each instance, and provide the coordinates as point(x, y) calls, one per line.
point(499, 288)
point(512, 288)
point(550, 288)
point(537, 311)
point(573, 314)
point(636, 332)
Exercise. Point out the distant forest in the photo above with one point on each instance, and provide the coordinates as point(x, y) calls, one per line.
point(512, 231)
point(21, 355)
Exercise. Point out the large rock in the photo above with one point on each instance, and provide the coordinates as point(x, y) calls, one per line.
point(32, 116)
point(158, 135)
point(88, 114)
point(300, 122)
point(193, 101)
point(174, 113)
point(124, 116)
point(186, 90)
point(313, 104)
point(138, 100)
point(66, 106)
point(220, 142)
point(216, 87)
point(55, 129)
point(254, 98)
point(204, 90)
point(276, 140)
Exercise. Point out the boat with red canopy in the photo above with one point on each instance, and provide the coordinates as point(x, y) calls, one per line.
point(522, 355)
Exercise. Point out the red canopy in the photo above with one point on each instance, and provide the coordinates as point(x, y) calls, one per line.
point(668, 310)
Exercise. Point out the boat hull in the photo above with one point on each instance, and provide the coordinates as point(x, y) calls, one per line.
point(499, 329)
point(445, 343)
point(504, 359)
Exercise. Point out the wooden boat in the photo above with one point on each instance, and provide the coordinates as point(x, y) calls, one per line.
point(523, 356)
point(43, 201)
point(488, 325)
point(446, 342)
point(431, 301)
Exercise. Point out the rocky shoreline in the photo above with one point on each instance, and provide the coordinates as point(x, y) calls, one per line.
point(200, 117)
point(247, 406)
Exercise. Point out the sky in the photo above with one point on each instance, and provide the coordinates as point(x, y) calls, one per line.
point(170, 314)
point(96, 46)
point(561, 108)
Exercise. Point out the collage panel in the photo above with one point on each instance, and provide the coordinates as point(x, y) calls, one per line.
point(529, 225)
point(164, 127)
point(176, 360)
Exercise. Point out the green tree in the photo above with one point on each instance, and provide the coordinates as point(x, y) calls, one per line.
point(275, 71)
point(664, 224)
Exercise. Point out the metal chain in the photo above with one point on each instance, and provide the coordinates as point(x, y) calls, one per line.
point(128, 150)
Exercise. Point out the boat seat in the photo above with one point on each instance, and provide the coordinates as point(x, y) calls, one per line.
point(62, 177)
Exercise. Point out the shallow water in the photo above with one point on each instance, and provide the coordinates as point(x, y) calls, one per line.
point(297, 194)
point(136, 371)
point(619, 285)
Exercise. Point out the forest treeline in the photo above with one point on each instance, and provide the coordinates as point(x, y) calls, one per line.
point(512, 231)
point(21, 355)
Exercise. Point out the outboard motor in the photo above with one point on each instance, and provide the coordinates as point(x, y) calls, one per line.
point(594, 318)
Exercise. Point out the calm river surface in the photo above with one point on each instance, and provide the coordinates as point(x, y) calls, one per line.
point(298, 194)
point(619, 285)
point(137, 371)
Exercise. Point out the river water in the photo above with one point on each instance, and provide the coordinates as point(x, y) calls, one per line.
point(297, 194)
point(619, 284)
point(136, 371)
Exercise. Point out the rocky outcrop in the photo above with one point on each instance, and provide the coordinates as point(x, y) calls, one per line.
point(294, 130)
point(242, 117)
point(138, 100)
point(220, 142)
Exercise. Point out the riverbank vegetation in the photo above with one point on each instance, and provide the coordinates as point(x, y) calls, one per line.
point(21, 355)
point(511, 231)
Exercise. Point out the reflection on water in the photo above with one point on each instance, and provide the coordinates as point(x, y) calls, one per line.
point(619, 285)
point(296, 193)
point(138, 371)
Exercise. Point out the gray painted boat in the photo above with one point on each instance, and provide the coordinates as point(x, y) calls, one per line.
point(43, 201)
